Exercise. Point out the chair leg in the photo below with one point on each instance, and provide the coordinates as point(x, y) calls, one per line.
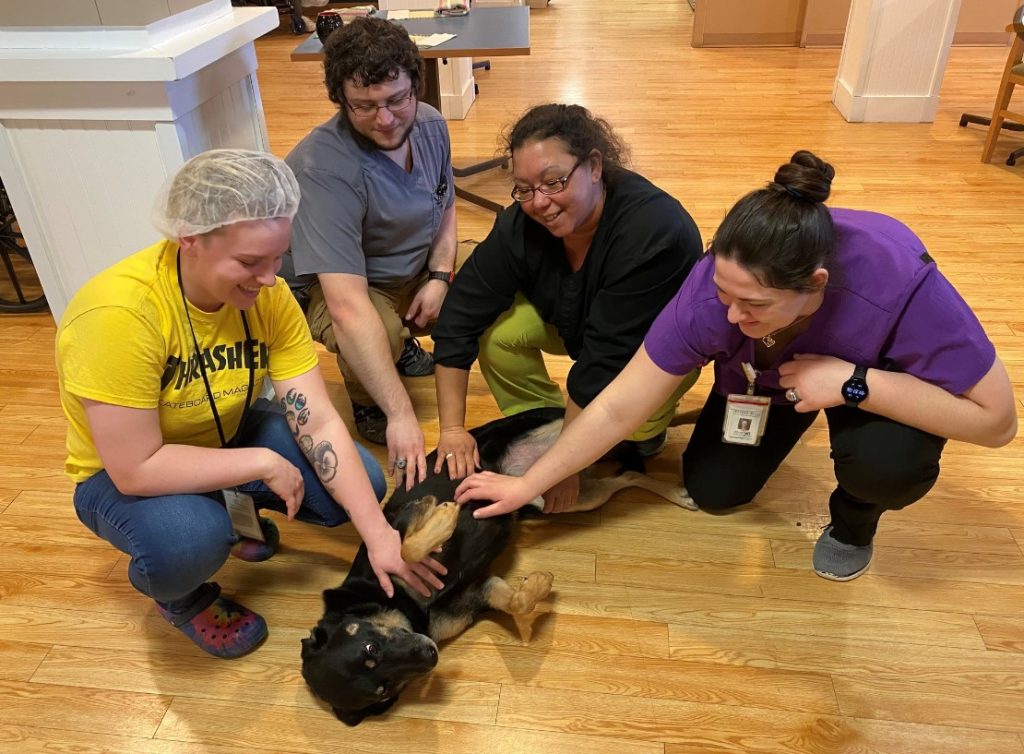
point(1014, 156)
point(1002, 103)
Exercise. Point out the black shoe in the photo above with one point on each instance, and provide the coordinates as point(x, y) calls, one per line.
point(371, 423)
point(414, 361)
point(651, 446)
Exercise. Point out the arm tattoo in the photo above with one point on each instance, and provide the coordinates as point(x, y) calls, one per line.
point(321, 455)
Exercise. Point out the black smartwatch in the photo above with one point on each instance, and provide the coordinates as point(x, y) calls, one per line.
point(855, 389)
point(447, 277)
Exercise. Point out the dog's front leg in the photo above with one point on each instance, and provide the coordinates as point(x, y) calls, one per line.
point(432, 527)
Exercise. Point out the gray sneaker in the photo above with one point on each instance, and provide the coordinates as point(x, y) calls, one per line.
point(414, 361)
point(371, 423)
point(836, 561)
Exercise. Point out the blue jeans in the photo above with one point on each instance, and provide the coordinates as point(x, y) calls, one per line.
point(177, 542)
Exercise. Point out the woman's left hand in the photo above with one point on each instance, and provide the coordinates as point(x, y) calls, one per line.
point(817, 380)
point(386, 558)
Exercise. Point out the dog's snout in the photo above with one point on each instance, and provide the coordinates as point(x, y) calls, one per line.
point(430, 652)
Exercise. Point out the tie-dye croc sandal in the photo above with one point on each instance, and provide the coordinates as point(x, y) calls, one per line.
point(255, 551)
point(217, 625)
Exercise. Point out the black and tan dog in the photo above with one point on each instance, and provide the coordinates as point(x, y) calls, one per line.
point(367, 648)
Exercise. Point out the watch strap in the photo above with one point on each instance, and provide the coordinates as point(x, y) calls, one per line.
point(447, 277)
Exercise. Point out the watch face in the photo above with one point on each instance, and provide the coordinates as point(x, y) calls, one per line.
point(855, 390)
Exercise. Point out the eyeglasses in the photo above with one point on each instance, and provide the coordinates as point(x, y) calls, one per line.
point(554, 186)
point(396, 105)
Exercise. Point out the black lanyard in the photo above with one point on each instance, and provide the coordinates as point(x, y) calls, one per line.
point(202, 367)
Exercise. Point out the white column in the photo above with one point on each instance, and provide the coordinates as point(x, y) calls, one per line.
point(88, 134)
point(894, 56)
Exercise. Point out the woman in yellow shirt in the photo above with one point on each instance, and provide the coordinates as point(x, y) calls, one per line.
point(160, 359)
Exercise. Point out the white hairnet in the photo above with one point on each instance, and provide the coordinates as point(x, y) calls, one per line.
point(222, 187)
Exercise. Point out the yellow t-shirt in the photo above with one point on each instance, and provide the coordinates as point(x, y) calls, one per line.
point(124, 340)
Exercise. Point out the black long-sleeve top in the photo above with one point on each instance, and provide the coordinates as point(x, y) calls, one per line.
point(644, 247)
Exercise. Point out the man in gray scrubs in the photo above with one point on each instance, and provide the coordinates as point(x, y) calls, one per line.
point(373, 245)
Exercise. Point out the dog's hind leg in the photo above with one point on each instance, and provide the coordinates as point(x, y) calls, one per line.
point(520, 603)
point(431, 527)
point(595, 492)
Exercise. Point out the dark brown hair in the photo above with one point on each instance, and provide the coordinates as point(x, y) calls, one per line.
point(369, 51)
point(783, 232)
point(574, 126)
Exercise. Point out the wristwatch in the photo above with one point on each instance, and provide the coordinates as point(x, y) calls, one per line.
point(855, 389)
point(447, 277)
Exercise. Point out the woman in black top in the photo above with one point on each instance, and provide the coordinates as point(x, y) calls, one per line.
point(580, 265)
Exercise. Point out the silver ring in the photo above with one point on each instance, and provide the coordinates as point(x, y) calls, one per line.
point(448, 455)
point(792, 395)
point(400, 463)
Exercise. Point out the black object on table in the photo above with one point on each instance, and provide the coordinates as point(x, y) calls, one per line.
point(17, 264)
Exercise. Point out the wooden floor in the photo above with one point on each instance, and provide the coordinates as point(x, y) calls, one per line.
point(668, 632)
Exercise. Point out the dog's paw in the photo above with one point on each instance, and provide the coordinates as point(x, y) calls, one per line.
point(536, 587)
point(434, 530)
point(682, 498)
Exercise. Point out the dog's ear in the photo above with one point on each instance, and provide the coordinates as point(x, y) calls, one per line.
point(314, 642)
point(355, 717)
point(349, 601)
point(350, 719)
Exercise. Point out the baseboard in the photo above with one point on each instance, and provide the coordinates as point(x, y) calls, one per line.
point(883, 109)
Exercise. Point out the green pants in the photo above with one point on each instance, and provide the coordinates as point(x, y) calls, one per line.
point(512, 362)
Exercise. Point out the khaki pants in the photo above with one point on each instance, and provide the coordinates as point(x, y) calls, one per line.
point(512, 362)
point(390, 303)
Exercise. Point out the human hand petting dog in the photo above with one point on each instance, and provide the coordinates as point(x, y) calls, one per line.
point(385, 555)
point(509, 493)
point(406, 450)
point(458, 449)
point(818, 380)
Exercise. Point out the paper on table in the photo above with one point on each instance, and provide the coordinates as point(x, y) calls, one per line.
point(431, 41)
point(403, 15)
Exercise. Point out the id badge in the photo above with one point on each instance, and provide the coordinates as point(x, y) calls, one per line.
point(746, 417)
point(242, 511)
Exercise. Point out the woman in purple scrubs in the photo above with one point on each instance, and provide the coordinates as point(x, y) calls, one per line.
point(803, 308)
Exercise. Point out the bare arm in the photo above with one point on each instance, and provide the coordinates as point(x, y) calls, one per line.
point(363, 342)
point(132, 450)
point(323, 438)
point(983, 415)
point(564, 494)
point(620, 408)
point(426, 304)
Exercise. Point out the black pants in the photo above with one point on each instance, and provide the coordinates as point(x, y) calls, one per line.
point(880, 464)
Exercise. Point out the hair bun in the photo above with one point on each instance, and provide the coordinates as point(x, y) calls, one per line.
point(806, 177)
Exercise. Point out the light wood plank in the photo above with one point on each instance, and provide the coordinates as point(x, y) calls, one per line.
point(295, 729)
point(73, 708)
point(19, 660)
point(689, 727)
point(1004, 633)
point(41, 740)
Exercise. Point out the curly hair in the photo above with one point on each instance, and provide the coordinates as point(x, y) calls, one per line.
point(369, 51)
point(783, 232)
point(574, 126)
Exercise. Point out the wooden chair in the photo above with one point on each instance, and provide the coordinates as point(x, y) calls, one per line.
point(1013, 74)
